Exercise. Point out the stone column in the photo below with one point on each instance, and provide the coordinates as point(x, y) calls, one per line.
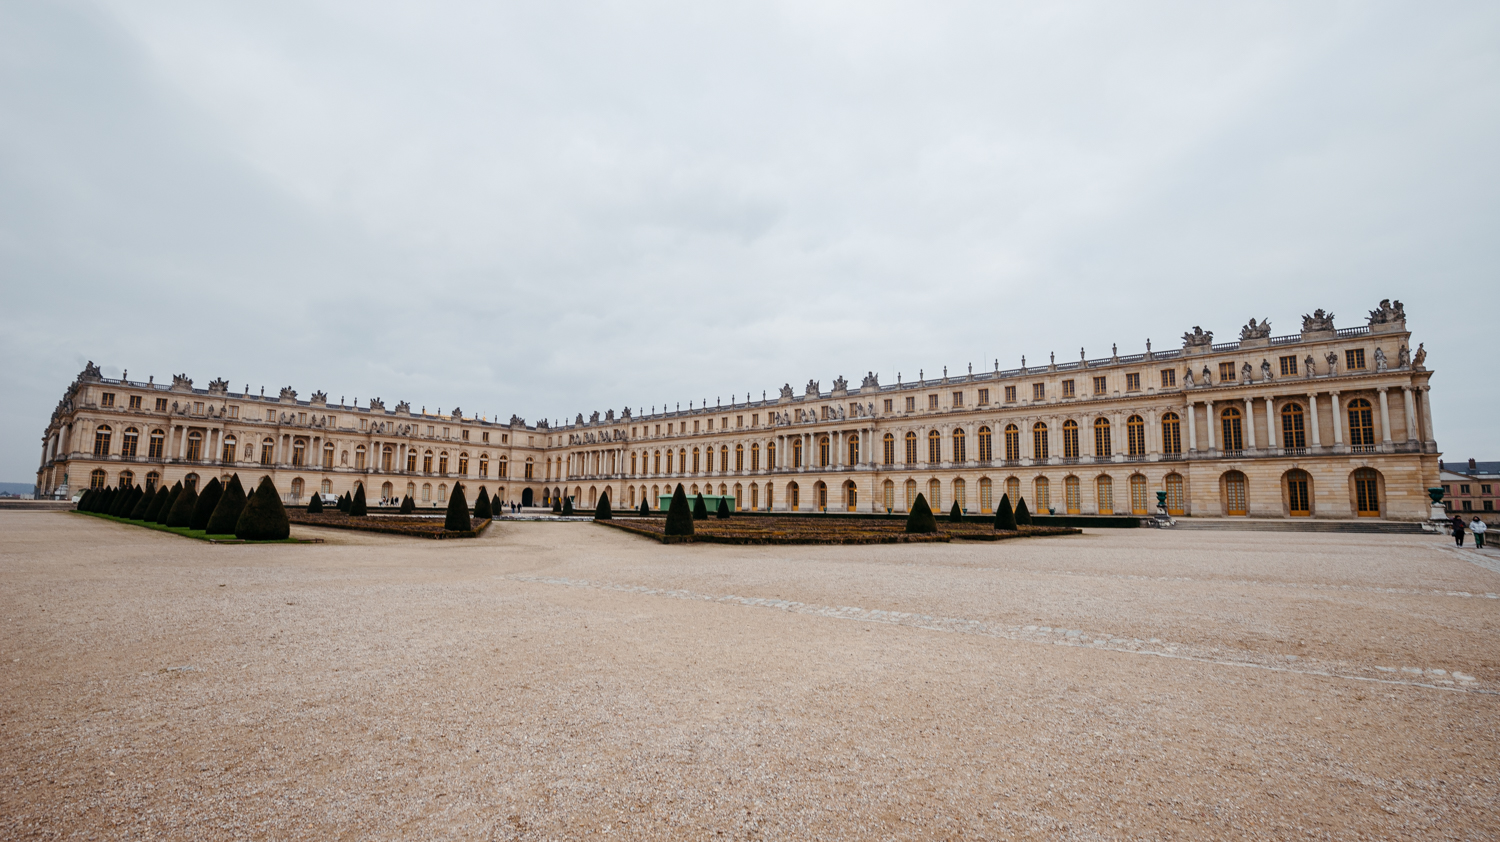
point(835, 444)
point(1411, 413)
point(1312, 402)
point(1209, 405)
point(1249, 423)
point(1427, 437)
point(1385, 417)
point(1338, 426)
point(1271, 437)
point(1192, 424)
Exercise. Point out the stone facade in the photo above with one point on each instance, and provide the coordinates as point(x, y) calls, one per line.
point(1323, 423)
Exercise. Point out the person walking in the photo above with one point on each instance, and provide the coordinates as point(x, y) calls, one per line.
point(1458, 529)
point(1478, 527)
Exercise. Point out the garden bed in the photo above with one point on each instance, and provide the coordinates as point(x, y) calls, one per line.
point(409, 525)
point(197, 533)
point(753, 529)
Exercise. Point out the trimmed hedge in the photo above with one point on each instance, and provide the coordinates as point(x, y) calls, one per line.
point(603, 511)
point(679, 516)
point(227, 513)
point(143, 505)
point(182, 508)
point(700, 507)
point(166, 507)
point(315, 505)
point(458, 511)
point(1005, 517)
point(482, 509)
point(408, 505)
point(203, 510)
point(357, 507)
point(921, 521)
point(1023, 514)
point(264, 518)
point(955, 514)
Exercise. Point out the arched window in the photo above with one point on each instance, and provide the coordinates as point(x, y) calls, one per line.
point(97, 478)
point(426, 492)
point(504, 468)
point(793, 496)
point(823, 453)
point(911, 494)
point(529, 469)
point(411, 491)
point(669, 461)
point(157, 445)
point(128, 442)
point(126, 480)
point(1104, 494)
point(1039, 442)
point(427, 462)
point(1176, 500)
point(739, 458)
point(1102, 440)
point(986, 494)
point(755, 496)
point(1013, 491)
point(986, 445)
point(267, 450)
point(230, 442)
point(935, 495)
point(1140, 502)
point(852, 443)
point(682, 459)
point(386, 491)
point(770, 493)
point(796, 455)
point(442, 465)
point(1042, 490)
point(1367, 492)
point(411, 461)
point(387, 457)
point(1135, 435)
point(960, 452)
point(888, 451)
point(1298, 500)
point(1234, 432)
point(326, 486)
point(1070, 439)
point(708, 459)
point(1171, 434)
point(1236, 499)
point(755, 457)
point(101, 440)
point(888, 495)
point(153, 479)
point(820, 496)
point(463, 464)
point(299, 452)
point(484, 464)
point(911, 452)
point(1012, 443)
point(1293, 436)
point(1361, 424)
point(770, 466)
point(657, 469)
point(1072, 498)
point(190, 481)
point(934, 447)
point(695, 460)
point(724, 458)
point(961, 494)
point(297, 487)
point(442, 492)
point(739, 495)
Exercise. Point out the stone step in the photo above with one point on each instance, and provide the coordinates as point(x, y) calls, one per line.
point(1363, 527)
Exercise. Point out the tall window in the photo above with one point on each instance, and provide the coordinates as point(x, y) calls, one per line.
point(932, 401)
point(411, 459)
point(127, 479)
point(427, 462)
point(960, 495)
point(934, 447)
point(299, 452)
point(797, 452)
point(986, 496)
point(770, 465)
point(1012, 443)
point(387, 456)
point(359, 458)
point(911, 448)
point(1297, 498)
point(1175, 497)
point(1013, 491)
point(1104, 494)
point(1070, 439)
point(153, 479)
point(1072, 498)
point(1361, 423)
point(1102, 439)
point(484, 464)
point(101, 440)
point(1236, 501)
point(267, 450)
point(695, 460)
point(724, 457)
point(793, 495)
point(463, 464)
point(986, 447)
point(1135, 435)
point(739, 457)
point(824, 446)
point(1039, 441)
point(128, 442)
point(888, 449)
point(1367, 492)
point(852, 442)
point(1042, 491)
point(504, 468)
point(1231, 422)
point(958, 398)
point(157, 444)
point(960, 451)
point(530, 468)
point(229, 444)
point(1139, 503)
point(96, 478)
point(755, 457)
point(911, 494)
point(888, 495)
point(1292, 433)
point(1171, 433)
point(935, 494)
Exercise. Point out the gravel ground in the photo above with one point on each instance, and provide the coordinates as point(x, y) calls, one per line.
point(562, 680)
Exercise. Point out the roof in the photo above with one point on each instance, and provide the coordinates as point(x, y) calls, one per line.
point(1480, 469)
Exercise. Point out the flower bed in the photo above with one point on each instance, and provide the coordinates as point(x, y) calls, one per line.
point(752, 529)
point(416, 527)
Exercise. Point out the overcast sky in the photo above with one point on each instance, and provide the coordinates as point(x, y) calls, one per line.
point(552, 208)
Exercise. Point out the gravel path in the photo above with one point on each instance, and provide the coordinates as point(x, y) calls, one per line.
point(562, 680)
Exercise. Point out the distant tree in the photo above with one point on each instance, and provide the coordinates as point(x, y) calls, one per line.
point(357, 506)
point(345, 501)
point(955, 514)
point(679, 515)
point(567, 508)
point(700, 507)
point(166, 507)
point(1023, 515)
point(482, 510)
point(725, 506)
point(920, 521)
point(143, 505)
point(458, 511)
point(408, 505)
point(603, 511)
point(203, 510)
point(264, 517)
point(182, 508)
point(315, 504)
point(1005, 518)
point(227, 513)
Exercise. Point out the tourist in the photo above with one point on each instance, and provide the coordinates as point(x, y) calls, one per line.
point(1458, 530)
point(1478, 527)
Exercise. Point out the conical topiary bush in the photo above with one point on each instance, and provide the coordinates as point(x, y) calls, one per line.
point(123, 501)
point(344, 502)
point(679, 514)
point(182, 508)
point(408, 505)
point(482, 510)
point(227, 512)
point(722, 513)
point(84, 499)
point(315, 504)
point(264, 517)
point(1005, 518)
point(458, 511)
point(556, 504)
point(645, 509)
point(700, 507)
point(142, 505)
point(1023, 515)
point(955, 514)
point(357, 507)
point(567, 508)
point(153, 508)
point(920, 521)
point(166, 507)
point(603, 511)
point(207, 502)
point(106, 497)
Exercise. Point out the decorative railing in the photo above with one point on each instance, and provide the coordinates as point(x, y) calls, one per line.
point(1352, 331)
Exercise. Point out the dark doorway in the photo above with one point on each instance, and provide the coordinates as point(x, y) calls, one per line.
point(526, 497)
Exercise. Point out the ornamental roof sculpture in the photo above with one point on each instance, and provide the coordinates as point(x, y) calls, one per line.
point(1317, 321)
point(1256, 331)
point(182, 382)
point(871, 381)
point(218, 386)
point(1388, 313)
point(1198, 338)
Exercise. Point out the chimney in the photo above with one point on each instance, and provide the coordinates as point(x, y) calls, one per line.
point(1472, 466)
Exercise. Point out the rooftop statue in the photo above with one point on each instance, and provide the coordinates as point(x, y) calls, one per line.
point(1198, 337)
point(218, 386)
point(287, 392)
point(813, 389)
point(840, 384)
point(1387, 313)
point(1319, 320)
point(182, 381)
point(1256, 331)
point(786, 392)
point(90, 372)
point(376, 404)
point(871, 381)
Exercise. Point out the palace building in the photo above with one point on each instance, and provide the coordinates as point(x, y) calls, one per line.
point(1330, 423)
